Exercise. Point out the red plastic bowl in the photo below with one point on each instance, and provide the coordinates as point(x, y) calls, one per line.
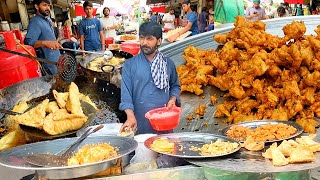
point(131, 48)
point(162, 119)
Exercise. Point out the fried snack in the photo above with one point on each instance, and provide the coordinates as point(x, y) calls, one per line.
point(252, 145)
point(33, 117)
point(268, 153)
point(213, 99)
point(217, 148)
point(302, 154)
point(61, 98)
point(239, 133)
point(271, 132)
point(200, 110)
point(52, 107)
point(73, 103)
point(286, 147)
point(162, 145)
point(61, 121)
point(174, 31)
point(278, 158)
point(12, 139)
point(21, 107)
point(93, 153)
point(308, 141)
point(127, 37)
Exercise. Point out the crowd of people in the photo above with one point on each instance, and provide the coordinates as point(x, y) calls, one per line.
point(256, 12)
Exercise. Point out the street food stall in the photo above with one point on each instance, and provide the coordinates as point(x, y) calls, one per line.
point(198, 130)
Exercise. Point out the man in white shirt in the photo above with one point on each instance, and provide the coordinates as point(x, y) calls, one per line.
point(168, 19)
point(109, 24)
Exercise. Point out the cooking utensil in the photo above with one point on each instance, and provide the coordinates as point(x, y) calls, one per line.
point(35, 134)
point(107, 53)
point(61, 158)
point(13, 157)
point(9, 112)
point(255, 124)
point(184, 141)
point(28, 56)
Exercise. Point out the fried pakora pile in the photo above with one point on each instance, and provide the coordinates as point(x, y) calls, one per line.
point(265, 76)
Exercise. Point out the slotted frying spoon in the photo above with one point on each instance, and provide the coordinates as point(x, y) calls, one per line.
point(61, 158)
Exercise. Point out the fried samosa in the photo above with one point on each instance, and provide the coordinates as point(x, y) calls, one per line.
point(33, 117)
point(61, 98)
point(52, 107)
point(73, 104)
point(302, 154)
point(61, 121)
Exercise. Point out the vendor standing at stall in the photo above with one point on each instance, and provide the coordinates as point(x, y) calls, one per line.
point(168, 19)
point(192, 22)
point(41, 36)
point(109, 24)
point(149, 81)
point(256, 12)
point(91, 34)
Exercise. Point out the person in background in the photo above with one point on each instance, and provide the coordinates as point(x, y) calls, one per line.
point(306, 11)
point(168, 19)
point(203, 19)
point(41, 36)
point(211, 11)
point(55, 28)
point(91, 34)
point(299, 10)
point(287, 8)
point(192, 22)
point(153, 17)
point(149, 81)
point(211, 23)
point(256, 12)
point(109, 24)
point(279, 12)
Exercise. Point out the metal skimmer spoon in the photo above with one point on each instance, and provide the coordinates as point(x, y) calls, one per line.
point(57, 160)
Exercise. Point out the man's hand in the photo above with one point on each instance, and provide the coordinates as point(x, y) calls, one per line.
point(52, 45)
point(173, 37)
point(130, 123)
point(171, 103)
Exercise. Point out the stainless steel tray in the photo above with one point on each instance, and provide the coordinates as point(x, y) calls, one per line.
point(255, 124)
point(13, 158)
point(184, 141)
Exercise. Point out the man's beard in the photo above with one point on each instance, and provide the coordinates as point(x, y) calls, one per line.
point(148, 50)
point(106, 14)
point(44, 12)
point(257, 7)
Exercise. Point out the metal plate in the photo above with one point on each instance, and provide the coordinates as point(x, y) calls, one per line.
point(34, 134)
point(186, 140)
point(255, 124)
point(13, 158)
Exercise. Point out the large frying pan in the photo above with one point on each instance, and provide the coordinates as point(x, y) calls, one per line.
point(113, 76)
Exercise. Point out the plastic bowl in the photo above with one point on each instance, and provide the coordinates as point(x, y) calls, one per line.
point(131, 48)
point(162, 119)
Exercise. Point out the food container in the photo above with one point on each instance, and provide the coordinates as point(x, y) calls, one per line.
point(162, 119)
point(131, 48)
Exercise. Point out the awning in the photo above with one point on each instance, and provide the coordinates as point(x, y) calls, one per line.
point(156, 1)
point(294, 1)
point(80, 11)
point(161, 9)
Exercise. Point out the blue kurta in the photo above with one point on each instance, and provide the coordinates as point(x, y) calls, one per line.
point(139, 93)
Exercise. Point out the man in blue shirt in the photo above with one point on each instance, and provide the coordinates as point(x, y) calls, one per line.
point(149, 80)
point(192, 22)
point(41, 36)
point(91, 33)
